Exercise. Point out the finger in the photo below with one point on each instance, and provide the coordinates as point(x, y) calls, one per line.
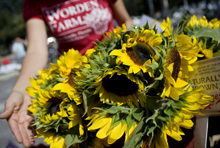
point(8, 111)
point(29, 131)
point(15, 129)
point(23, 130)
point(33, 127)
point(31, 122)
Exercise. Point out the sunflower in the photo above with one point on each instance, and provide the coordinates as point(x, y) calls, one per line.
point(194, 48)
point(193, 102)
point(71, 91)
point(194, 22)
point(90, 52)
point(33, 108)
point(42, 81)
point(120, 30)
point(129, 86)
point(173, 83)
point(44, 76)
point(55, 113)
point(54, 107)
point(167, 27)
point(214, 23)
point(162, 141)
point(174, 115)
point(117, 86)
point(33, 89)
point(171, 73)
point(70, 61)
point(202, 33)
point(197, 100)
point(108, 131)
point(188, 50)
point(137, 52)
point(189, 53)
point(54, 141)
point(51, 104)
point(171, 89)
point(207, 53)
point(187, 47)
point(48, 110)
point(75, 118)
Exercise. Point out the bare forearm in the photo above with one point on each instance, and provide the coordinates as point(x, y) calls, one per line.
point(31, 64)
point(37, 54)
point(120, 13)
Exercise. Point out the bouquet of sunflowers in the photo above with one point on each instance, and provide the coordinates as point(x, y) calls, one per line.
point(131, 86)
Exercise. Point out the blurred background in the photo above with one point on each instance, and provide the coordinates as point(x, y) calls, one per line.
point(12, 26)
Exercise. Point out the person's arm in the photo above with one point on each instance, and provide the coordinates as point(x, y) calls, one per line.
point(37, 53)
point(120, 13)
point(16, 106)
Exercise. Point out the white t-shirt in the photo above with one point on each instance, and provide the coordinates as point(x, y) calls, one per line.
point(18, 49)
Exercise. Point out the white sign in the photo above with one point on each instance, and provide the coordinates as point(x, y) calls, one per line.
point(207, 75)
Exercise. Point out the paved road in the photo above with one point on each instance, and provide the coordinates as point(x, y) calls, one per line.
point(6, 135)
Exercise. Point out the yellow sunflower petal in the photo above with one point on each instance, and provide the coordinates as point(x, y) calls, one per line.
point(58, 143)
point(116, 133)
point(102, 133)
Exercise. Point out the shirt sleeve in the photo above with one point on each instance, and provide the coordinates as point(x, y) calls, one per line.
point(31, 9)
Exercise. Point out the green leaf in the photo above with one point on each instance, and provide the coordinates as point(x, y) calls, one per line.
point(216, 53)
point(218, 31)
point(40, 126)
point(150, 131)
point(112, 43)
point(153, 65)
point(108, 109)
point(114, 124)
point(164, 118)
point(105, 38)
point(182, 23)
point(208, 32)
point(146, 26)
point(74, 138)
point(36, 123)
point(136, 139)
point(177, 104)
point(60, 79)
point(152, 103)
point(94, 66)
point(128, 31)
point(129, 121)
point(171, 111)
point(138, 114)
point(69, 140)
point(116, 119)
point(85, 102)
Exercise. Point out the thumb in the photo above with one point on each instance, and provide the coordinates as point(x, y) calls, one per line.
point(9, 108)
point(12, 105)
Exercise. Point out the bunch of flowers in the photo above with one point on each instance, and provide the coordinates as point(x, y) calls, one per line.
point(131, 86)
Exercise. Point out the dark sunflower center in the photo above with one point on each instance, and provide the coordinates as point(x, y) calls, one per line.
point(53, 106)
point(201, 58)
point(140, 53)
point(173, 56)
point(149, 79)
point(119, 85)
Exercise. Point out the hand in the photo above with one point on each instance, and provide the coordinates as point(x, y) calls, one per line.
point(19, 119)
point(129, 23)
